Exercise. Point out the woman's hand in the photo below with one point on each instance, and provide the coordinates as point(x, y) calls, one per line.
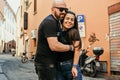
point(74, 72)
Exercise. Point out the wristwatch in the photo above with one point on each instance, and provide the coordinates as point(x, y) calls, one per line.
point(71, 47)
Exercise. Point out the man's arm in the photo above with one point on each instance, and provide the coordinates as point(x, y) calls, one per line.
point(55, 45)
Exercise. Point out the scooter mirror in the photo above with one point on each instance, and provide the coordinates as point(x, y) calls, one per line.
point(98, 51)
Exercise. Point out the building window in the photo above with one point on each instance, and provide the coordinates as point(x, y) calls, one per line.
point(35, 6)
point(26, 2)
point(34, 42)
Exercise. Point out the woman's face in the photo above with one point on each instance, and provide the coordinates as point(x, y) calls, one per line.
point(68, 21)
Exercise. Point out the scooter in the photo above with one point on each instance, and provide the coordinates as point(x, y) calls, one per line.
point(24, 58)
point(90, 65)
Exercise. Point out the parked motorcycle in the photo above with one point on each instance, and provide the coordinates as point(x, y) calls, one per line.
point(90, 65)
point(25, 59)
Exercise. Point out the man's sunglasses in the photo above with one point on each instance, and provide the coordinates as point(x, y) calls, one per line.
point(62, 9)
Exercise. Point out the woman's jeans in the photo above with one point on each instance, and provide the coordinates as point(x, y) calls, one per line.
point(64, 71)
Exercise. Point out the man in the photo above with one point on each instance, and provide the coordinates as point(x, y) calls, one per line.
point(48, 32)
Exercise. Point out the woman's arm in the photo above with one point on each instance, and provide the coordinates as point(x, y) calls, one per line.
point(76, 52)
point(76, 58)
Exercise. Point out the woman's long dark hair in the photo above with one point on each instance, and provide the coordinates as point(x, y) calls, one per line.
point(74, 32)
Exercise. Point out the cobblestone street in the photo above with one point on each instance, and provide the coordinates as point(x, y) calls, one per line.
point(14, 69)
point(11, 68)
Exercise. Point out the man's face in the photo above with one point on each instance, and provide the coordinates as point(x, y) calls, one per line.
point(60, 10)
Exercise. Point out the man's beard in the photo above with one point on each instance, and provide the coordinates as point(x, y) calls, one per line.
point(59, 17)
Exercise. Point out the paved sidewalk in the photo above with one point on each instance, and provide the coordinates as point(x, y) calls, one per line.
point(2, 75)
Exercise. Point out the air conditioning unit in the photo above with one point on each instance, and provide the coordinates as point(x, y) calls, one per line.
point(33, 34)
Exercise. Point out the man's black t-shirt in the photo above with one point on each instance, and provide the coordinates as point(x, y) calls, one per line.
point(48, 28)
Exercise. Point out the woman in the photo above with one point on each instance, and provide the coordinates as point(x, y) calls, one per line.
point(67, 62)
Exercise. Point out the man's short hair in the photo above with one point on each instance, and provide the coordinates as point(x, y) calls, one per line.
point(56, 1)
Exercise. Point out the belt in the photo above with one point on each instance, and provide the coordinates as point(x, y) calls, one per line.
point(48, 65)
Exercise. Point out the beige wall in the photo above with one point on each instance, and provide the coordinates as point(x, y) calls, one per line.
point(96, 20)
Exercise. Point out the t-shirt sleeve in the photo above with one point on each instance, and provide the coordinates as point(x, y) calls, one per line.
point(50, 28)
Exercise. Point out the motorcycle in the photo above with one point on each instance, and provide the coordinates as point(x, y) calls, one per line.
point(25, 59)
point(90, 65)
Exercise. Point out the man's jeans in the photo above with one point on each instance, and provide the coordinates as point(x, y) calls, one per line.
point(64, 71)
point(45, 72)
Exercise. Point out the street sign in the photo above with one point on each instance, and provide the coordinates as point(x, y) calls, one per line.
point(80, 18)
point(81, 25)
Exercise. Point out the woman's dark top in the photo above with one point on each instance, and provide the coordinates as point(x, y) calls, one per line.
point(66, 38)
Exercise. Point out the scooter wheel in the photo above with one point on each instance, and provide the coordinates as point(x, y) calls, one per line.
point(24, 60)
point(94, 72)
point(84, 73)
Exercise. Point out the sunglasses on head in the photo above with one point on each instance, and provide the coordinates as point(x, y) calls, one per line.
point(62, 9)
